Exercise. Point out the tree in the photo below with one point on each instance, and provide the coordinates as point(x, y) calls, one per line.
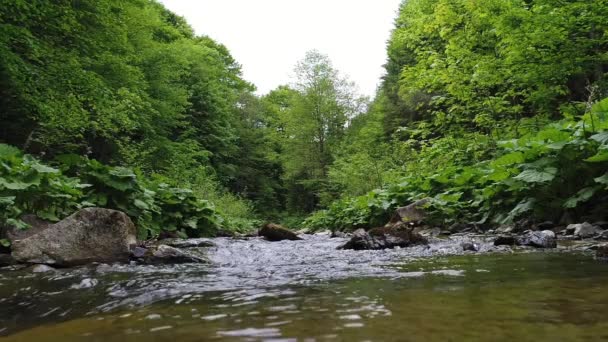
point(320, 108)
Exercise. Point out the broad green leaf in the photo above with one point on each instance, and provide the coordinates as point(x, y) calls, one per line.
point(15, 184)
point(122, 172)
point(5, 243)
point(535, 176)
point(582, 196)
point(602, 137)
point(43, 168)
point(8, 151)
point(602, 180)
point(141, 204)
point(601, 156)
point(7, 200)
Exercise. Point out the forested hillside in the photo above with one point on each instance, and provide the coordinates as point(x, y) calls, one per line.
point(490, 109)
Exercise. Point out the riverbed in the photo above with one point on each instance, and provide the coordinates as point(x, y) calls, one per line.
point(255, 290)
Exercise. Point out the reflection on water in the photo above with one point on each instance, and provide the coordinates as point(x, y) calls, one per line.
point(308, 291)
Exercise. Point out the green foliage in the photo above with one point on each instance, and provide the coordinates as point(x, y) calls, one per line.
point(482, 65)
point(27, 186)
point(541, 175)
point(128, 83)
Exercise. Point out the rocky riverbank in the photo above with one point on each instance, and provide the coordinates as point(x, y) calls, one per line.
point(108, 236)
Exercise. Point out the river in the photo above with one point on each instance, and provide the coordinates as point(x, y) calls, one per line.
point(254, 290)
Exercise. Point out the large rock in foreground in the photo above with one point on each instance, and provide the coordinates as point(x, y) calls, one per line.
point(90, 235)
point(384, 238)
point(275, 232)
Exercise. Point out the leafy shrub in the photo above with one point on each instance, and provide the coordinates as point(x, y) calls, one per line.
point(28, 186)
point(560, 168)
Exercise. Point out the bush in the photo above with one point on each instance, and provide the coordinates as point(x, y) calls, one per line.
point(28, 186)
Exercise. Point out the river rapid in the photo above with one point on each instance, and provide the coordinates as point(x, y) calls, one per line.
point(255, 290)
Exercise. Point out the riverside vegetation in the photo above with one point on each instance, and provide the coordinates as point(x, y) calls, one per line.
point(126, 141)
point(492, 112)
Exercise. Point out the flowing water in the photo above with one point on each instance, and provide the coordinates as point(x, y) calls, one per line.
point(255, 290)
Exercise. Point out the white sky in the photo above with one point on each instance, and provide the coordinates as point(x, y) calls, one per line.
point(268, 37)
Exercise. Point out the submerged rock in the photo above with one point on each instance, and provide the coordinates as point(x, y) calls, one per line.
point(384, 238)
point(187, 243)
point(275, 232)
point(470, 246)
point(541, 239)
point(163, 254)
point(89, 235)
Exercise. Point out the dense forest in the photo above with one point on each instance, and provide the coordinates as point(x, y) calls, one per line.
point(491, 110)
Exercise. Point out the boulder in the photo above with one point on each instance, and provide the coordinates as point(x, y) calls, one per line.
point(413, 213)
point(384, 238)
point(36, 224)
point(89, 235)
point(187, 243)
point(538, 239)
point(583, 230)
point(470, 246)
point(163, 254)
point(275, 232)
point(505, 240)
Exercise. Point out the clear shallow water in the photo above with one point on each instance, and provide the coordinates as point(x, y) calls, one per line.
point(307, 291)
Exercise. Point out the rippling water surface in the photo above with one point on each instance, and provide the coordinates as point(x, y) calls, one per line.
point(255, 290)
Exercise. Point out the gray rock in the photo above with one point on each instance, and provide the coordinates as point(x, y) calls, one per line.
point(413, 213)
point(187, 243)
point(138, 252)
point(430, 232)
point(275, 232)
point(384, 238)
point(584, 230)
point(42, 269)
point(163, 254)
point(90, 235)
point(538, 239)
point(86, 283)
point(470, 246)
